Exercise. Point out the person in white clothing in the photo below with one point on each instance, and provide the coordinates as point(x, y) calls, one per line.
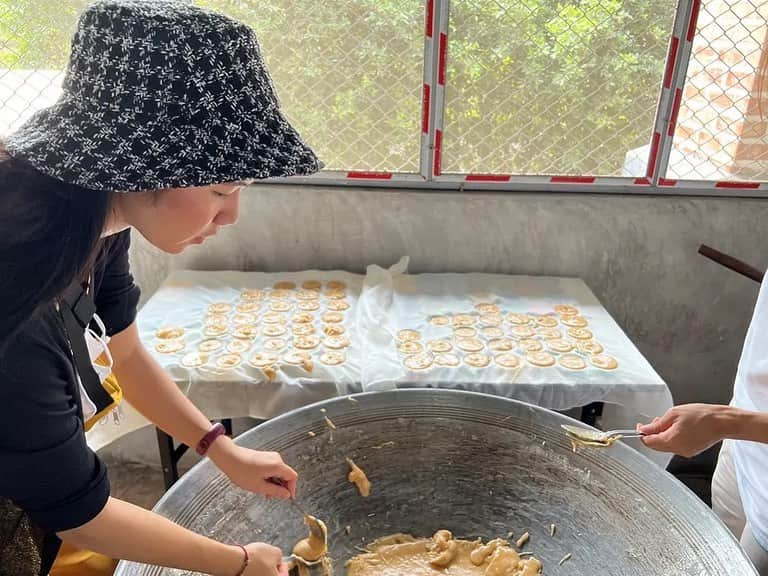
point(740, 482)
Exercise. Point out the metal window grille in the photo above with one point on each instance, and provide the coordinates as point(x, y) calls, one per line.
point(487, 93)
point(720, 131)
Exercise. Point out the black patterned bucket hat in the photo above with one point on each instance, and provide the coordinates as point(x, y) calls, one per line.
point(162, 94)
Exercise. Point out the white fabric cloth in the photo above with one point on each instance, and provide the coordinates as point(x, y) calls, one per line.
point(751, 393)
point(183, 300)
point(394, 301)
point(97, 344)
point(727, 504)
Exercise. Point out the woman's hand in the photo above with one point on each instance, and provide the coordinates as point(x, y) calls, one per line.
point(149, 538)
point(686, 430)
point(251, 469)
point(265, 560)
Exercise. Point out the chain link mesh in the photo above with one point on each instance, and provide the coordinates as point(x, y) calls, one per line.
point(349, 76)
point(553, 86)
point(34, 43)
point(533, 86)
point(721, 125)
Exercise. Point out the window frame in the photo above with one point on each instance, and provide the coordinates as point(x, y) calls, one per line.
point(435, 30)
point(430, 177)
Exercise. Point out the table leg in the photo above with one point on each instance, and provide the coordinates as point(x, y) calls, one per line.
point(167, 458)
point(170, 454)
point(591, 412)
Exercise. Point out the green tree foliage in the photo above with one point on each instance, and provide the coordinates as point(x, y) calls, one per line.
point(35, 34)
point(552, 86)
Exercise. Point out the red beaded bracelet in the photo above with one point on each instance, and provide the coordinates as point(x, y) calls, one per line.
point(206, 441)
point(246, 560)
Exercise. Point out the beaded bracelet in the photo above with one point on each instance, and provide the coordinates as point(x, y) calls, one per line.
point(246, 560)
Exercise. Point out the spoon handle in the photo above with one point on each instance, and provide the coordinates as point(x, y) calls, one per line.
point(625, 433)
point(280, 482)
point(292, 559)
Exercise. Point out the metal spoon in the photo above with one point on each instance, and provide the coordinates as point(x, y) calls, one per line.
point(596, 437)
point(293, 558)
point(316, 528)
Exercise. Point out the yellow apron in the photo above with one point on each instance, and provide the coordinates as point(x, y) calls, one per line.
point(72, 561)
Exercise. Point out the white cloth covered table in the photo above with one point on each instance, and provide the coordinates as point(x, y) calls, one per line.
point(400, 301)
point(381, 303)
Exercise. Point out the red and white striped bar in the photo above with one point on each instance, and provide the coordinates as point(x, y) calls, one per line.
point(602, 184)
point(438, 92)
point(360, 178)
point(427, 106)
point(679, 53)
point(363, 177)
point(566, 184)
point(725, 187)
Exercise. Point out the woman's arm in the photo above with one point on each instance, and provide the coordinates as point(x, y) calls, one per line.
point(122, 530)
point(692, 428)
point(154, 394)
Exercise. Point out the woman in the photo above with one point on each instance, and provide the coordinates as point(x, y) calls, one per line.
point(740, 482)
point(166, 111)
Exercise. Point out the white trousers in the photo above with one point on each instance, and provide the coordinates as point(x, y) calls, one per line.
point(726, 502)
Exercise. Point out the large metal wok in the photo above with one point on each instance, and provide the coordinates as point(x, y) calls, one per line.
point(478, 465)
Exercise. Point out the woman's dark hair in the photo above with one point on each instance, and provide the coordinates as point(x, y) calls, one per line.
point(50, 234)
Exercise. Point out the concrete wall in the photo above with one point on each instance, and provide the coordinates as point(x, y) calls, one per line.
point(638, 254)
